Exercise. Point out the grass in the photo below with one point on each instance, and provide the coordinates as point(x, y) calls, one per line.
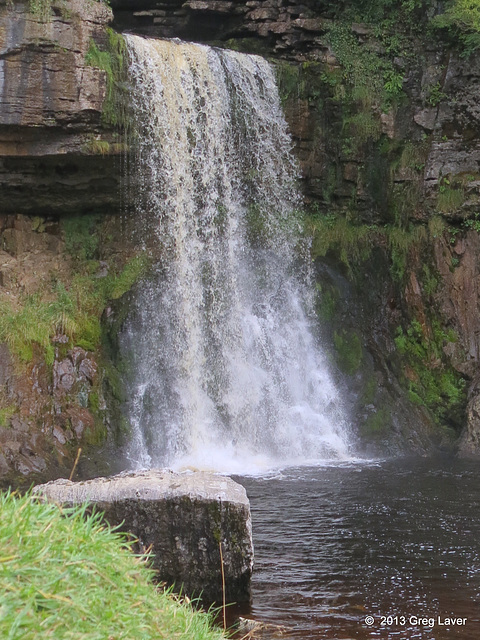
point(111, 59)
point(5, 414)
point(69, 305)
point(65, 575)
point(353, 243)
point(450, 199)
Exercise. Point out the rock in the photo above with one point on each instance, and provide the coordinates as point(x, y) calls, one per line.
point(469, 445)
point(182, 518)
point(252, 630)
point(426, 118)
point(50, 107)
point(63, 374)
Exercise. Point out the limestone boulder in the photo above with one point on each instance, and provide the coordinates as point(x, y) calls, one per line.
point(183, 518)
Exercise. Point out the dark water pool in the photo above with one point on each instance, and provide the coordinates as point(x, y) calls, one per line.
point(396, 540)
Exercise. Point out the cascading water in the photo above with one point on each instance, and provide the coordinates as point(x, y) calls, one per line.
point(227, 373)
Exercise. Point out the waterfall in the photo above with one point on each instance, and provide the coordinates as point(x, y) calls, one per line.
point(227, 371)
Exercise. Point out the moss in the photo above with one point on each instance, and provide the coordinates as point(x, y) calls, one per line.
point(430, 380)
point(436, 226)
point(377, 424)
point(359, 128)
point(68, 305)
point(400, 242)
point(369, 390)
point(117, 285)
point(373, 79)
point(81, 234)
point(248, 45)
point(41, 9)
point(305, 81)
point(414, 155)
point(98, 147)
point(352, 243)
point(349, 353)
point(327, 301)
point(6, 414)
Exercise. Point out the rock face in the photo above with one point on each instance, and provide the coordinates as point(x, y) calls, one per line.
point(183, 518)
point(404, 172)
point(50, 109)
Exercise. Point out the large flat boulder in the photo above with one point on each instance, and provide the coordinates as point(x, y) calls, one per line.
point(183, 518)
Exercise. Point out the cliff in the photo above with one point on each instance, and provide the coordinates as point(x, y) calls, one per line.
point(383, 109)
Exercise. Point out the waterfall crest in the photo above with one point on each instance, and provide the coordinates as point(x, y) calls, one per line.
point(227, 372)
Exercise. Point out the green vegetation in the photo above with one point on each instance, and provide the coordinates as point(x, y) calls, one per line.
point(450, 199)
point(41, 9)
point(65, 574)
point(70, 308)
point(386, 13)
point(430, 381)
point(349, 351)
point(81, 236)
point(400, 242)
point(6, 413)
point(461, 22)
point(353, 243)
point(373, 79)
point(435, 95)
point(327, 301)
point(111, 59)
point(377, 424)
point(98, 147)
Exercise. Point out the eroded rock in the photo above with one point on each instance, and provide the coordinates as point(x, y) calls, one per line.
point(183, 518)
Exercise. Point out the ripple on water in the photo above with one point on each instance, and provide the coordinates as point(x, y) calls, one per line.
point(334, 543)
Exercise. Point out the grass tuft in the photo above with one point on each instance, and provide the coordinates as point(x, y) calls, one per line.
point(66, 575)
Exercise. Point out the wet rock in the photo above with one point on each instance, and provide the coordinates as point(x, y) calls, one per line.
point(469, 445)
point(4, 466)
point(5, 365)
point(183, 518)
point(255, 630)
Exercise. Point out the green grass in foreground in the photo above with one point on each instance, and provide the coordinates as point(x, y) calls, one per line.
point(65, 574)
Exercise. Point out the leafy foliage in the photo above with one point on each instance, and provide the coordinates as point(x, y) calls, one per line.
point(461, 21)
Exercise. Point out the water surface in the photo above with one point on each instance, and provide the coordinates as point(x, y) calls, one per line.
point(398, 538)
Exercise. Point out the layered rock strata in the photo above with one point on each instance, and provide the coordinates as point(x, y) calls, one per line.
point(51, 102)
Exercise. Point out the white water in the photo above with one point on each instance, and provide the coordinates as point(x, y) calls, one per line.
point(227, 372)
